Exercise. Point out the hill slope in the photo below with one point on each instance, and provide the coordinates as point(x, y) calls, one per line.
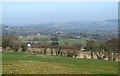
point(22, 63)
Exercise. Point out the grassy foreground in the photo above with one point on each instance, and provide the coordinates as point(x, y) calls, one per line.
point(22, 63)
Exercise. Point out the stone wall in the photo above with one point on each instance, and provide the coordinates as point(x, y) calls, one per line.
point(80, 53)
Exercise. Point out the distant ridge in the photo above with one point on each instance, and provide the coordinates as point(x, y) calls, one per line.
point(111, 24)
point(113, 20)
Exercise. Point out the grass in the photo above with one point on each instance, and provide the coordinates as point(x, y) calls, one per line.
point(73, 41)
point(70, 41)
point(22, 63)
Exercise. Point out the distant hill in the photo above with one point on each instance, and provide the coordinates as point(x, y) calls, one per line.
point(112, 20)
point(86, 25)
point(82, 25)
point(111, 25)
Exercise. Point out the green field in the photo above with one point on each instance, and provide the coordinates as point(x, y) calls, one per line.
point(22, 63)
point(72, 41)
point(62, 41)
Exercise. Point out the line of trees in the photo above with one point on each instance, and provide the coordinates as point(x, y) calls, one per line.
point(102, 50)
point(13, 42)
point(70, 50)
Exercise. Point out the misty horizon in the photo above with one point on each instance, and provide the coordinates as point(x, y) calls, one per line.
point(57, 12)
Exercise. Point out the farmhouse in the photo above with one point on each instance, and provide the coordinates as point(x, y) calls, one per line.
point(29, 44)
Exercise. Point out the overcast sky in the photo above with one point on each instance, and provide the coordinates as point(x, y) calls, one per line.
point(46, 12)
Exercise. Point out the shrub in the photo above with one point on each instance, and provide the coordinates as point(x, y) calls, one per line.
point(24, 47)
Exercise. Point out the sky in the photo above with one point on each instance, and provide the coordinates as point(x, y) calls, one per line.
point(21, 13)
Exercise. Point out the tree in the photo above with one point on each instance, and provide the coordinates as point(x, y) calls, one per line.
point(98, 50)
point(24, 47)
point(5, 42)
point(11, 41)
point(71, 50)
point(96, 47)
point(103, 50)
point(112, 46)
point(54, 38)
point(90, 47)
point(55, 43)
point(78, 45)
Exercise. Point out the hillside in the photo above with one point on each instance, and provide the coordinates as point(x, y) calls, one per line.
point(22, 63)
point(77, 26)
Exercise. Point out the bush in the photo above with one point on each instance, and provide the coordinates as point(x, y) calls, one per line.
point(24, 47)
point(55, 43)
point(54, 38)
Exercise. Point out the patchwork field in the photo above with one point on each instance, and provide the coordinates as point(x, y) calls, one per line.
point(22, 63)
point(73, 41)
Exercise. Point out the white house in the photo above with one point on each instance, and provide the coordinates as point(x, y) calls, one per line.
point(29, 45)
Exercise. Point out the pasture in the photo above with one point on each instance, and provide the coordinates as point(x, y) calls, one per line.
point(23, 63)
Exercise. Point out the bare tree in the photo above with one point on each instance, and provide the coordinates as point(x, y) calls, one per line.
point(11, 41)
